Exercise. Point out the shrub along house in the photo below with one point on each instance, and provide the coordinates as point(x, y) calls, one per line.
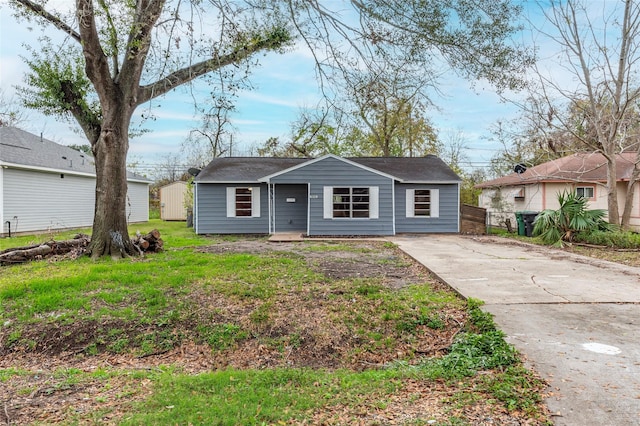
point(46, 186)
point(330, 196)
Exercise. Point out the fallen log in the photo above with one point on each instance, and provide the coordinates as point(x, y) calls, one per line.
point(21, 248)
point(72, 249)
point(23, 255)
point(42, 250)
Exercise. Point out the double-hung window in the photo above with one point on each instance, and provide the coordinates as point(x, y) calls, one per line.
point(243, 201)
point(357, 202)
point(351, 202)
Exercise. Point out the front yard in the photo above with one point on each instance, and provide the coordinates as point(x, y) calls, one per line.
point(241, 331)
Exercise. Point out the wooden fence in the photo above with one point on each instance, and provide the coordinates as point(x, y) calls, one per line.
point(473, 220)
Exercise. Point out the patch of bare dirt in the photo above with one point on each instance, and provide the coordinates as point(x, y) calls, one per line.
point(314, 327)
point(365, 259)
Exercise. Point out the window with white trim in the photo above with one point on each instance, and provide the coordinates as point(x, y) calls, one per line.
point(344, 202)
point(243, 201)
point(422, 203)
point(351, 202)
point(585, 191)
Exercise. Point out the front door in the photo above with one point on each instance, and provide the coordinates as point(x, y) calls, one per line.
point(290, 208)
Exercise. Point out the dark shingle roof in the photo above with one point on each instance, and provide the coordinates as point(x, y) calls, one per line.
point(245, 169)
point(581, 167)
point(252, 169)
point(21, 148)
point(411, 169)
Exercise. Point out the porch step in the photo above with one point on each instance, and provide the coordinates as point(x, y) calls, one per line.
point(285, 237)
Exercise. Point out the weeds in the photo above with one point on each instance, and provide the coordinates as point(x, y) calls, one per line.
point(241, 301)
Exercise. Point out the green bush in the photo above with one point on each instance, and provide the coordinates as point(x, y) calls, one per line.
point(615, 239)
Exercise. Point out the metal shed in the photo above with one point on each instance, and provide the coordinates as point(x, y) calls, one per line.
point(172, 201)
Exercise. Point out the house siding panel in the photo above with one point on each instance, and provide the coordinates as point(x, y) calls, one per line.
point(35, 201)
point(449, 207)
point(41, 201)
point(212, 217)
point(337, 173)
point(137, 202)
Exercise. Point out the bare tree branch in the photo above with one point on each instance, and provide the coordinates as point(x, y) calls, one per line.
point(56, 21)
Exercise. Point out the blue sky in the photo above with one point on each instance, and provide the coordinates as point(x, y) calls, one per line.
point(283, 84)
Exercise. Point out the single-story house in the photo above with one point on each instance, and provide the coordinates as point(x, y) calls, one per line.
point(327, 196)
point(172, 201)
point(46, 186)
point(537, 188)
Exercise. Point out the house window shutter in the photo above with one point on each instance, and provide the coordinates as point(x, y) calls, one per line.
point(410, 197)
point(327, 202)
point(435, 203)
point(231, 201)
point(255, 201)
point(374, 193)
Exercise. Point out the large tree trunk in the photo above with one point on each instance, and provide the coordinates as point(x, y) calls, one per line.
point(110, 236)
point(612, 190)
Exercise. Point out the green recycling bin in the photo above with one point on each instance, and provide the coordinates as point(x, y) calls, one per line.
point(520, 221)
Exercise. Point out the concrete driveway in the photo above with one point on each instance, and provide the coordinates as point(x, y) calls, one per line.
point(576, 319)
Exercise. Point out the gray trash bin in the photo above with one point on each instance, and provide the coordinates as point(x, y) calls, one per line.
point(529, 218)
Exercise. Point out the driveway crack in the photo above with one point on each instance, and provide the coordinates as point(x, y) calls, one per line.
point(533, 280)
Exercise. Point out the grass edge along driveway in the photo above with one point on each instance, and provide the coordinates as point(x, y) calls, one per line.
point(147, 308)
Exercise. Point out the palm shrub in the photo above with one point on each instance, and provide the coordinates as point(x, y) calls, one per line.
point(558, 226)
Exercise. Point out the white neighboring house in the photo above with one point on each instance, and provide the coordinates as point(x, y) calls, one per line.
point(537, 188)
point(46, 186)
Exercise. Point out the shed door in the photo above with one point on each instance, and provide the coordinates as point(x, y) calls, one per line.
point(290, 208)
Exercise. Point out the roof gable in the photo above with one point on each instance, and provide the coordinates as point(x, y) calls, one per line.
point(324, 158)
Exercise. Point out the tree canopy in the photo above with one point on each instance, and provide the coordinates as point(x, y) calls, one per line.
point(594, 101)
point(118, 55)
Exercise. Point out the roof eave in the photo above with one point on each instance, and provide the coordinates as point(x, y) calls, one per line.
point(433, 182)
point(232, 182)
point(62, 171)
point(45, 169)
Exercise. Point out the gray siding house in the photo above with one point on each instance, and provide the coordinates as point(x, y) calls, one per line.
point(46, 186)
point(327, 196)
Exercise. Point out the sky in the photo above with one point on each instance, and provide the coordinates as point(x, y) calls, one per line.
point(283, 84)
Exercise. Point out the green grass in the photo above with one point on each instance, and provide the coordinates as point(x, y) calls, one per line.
point(285, 396)
point(614, 239)
point(152, 305)
point(181, 236)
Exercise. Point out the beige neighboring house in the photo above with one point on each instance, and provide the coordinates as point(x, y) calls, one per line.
point(537, 188)
point(172, 201)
